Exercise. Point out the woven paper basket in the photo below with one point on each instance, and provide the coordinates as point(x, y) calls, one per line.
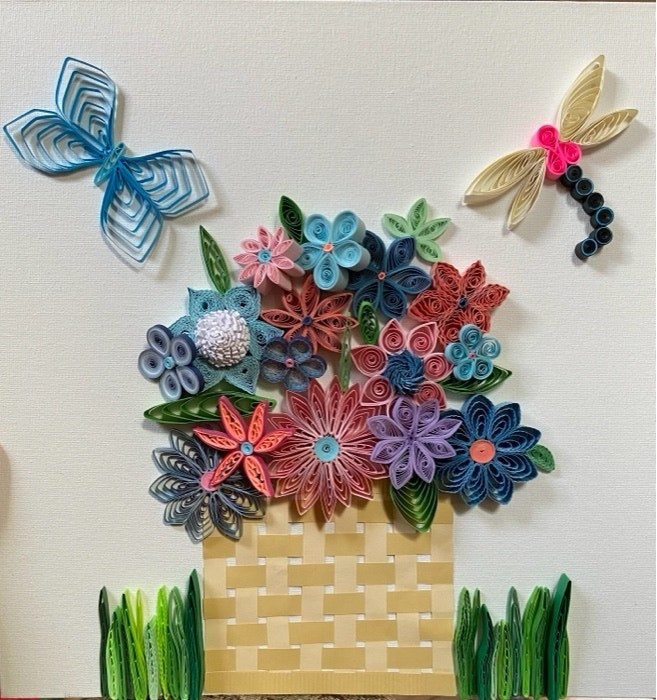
point(363, 605)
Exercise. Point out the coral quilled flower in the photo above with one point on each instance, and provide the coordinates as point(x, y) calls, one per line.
point(454, 300)
point(327, 459)
point(243, 444)
point(322, 321)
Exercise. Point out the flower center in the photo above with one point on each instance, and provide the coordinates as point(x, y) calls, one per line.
point(327, 247)
point(289, 362)
point(462, 302)
point(264, 255)
point(307, 320)
point(482, 451)
point(169, 362)
point(222, 338)
point(206, 481)
point(405, 372)
point(246, 448)
point(326, 448)
point(472, 355)
point(381, 275)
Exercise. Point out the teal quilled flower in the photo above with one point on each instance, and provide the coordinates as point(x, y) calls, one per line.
point(332, 249)
point(473, 354)
point(228, 335)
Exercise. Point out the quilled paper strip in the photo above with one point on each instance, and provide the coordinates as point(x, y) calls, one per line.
point(417, 502)
point(535, 621)
point(291, 219)
point(162, 639)
point(557, 642)
point(104, 619)
point(215, 263)
point(515, 632)
point(476, 386)
point(152, 670)
point(344, 364)
point(485, 655)
point(368, 323)
point(502, 661)
point(133, 630)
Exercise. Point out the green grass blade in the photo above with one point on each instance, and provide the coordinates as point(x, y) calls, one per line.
point(485, 655)
point(104, 619)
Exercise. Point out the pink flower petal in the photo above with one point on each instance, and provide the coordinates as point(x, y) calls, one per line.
point(260, 274)
point(377, 391)
point(422, 339)
point(370, 360)
point(245, 258)
point(264, 237)
point(249, 272)
point(250, 245)
point(436, 366)
point(392, 338)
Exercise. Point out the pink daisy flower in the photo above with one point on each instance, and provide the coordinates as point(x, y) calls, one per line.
point(327, 459)
point(270, 257)
point(402, 364)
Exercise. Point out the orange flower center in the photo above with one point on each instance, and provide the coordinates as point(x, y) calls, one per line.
point(381, 275)
point(482, 451)
point(328, 247)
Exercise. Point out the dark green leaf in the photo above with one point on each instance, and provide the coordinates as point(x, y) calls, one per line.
point(542, 458)
point(503, 662)
point(515, 630)
point(476, 386)
point(417, 502)
point(104, 619)
point(368, 323)
point(215, 263)
point(291, 218)
point(557, 641)
point(462, 649)
point(485, 655)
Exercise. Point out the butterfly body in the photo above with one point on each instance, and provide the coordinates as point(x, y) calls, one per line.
point(139, 191)
point(552, 149)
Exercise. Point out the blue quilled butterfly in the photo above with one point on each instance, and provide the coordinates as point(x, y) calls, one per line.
point(140, 191)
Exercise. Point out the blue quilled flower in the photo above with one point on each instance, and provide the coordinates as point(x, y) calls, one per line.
point(291, 362)
point(389, 277)
point(491, 452)
point(473, 354)
point(190, 498)
point(140, 191)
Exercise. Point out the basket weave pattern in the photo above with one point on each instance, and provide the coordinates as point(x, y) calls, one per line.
point(359, 605)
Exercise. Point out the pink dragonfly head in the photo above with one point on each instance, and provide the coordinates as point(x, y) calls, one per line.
point(560, 154)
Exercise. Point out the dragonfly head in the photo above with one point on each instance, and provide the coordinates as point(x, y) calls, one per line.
point(560, 154)
point(109, 164)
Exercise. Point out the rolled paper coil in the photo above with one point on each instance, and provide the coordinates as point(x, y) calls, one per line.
point(582, 189)
point(603, 235)
point(437, 366)
point(571, 176)
point(422, 340)
point(602, 217)
point(593, 202)
point(586, 248)
point(377, 392)
point(392, 338)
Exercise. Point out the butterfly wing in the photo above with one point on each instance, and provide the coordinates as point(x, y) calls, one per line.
point(501, 175)
point(581, 99)
point(129, 219)
point(173, 180)
point(527, 195)
point(86, 97)
point(48, 143)
point(605, 128)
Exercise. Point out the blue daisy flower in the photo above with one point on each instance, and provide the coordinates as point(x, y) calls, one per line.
point(491, 452)
point(228, 335)
point(388, 278)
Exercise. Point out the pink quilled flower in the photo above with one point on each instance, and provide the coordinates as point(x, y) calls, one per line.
point(402, 364)
point(269, 257)
point(327, 459)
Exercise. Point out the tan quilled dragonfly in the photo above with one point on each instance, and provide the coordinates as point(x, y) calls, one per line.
point(552, 150)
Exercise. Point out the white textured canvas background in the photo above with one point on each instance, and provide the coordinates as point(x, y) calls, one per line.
point(362, 106)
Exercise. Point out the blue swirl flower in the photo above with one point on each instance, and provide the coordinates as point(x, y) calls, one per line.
point(472, 356)
point(291, 362)
point(389, 278)
point(404, 371)
point(331, 249)
point(491, 452)
point(228, 335)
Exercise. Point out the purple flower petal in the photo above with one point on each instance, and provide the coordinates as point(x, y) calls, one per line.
point(428, 417)
point(384, 427)
point(404, 413)
point(401, 471)
point(444, 428)
point(423, 462)
point(388, 450)
point(437, 447)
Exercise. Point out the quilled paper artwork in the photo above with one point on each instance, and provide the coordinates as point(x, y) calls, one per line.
point(140, 191)
point(554, 153)
point(364, 376)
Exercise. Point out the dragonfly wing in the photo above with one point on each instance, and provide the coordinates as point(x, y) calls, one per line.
point(173, 180)
point(605, 128)
point(527, 195)
point(580, 101)
point(129, 219)
point(48, 143)
point(86, 97)
point(503, 174)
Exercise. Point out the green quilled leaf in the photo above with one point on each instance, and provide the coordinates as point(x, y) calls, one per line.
point(429, 251)
point(432, 229)
point(396, 225)
point(203, 407)
point(291, 218)
point(344, 364)
point(461, 650)
point(417, 502)
point(104, 618)
point(485, 655)
point(368, 323)
point(476, 386)
point(417, 214)
point(557, 641)
point(542, 458)
point(215, 263)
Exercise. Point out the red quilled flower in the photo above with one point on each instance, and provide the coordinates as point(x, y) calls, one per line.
point(243, 444)
point(453, 300)
point(327, 459)
point(322, 321)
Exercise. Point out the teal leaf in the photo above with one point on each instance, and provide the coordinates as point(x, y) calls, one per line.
point(417, 502)
point(417, 214)
point(215, 263)
point(476, 386)
point(542, 458)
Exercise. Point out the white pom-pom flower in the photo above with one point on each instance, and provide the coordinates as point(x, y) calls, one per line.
point(222, 338)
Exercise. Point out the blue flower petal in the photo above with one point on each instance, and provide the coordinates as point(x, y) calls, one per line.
point(456, 353)
point(272, 371)
point(519, 441)
point(476, 488)
point(328, 275)
point(350, 255)
point(226, 520)
point(244, 374)
point(376, 248)
point(478, 415)
point(310, 256)
point(317, 231)
point(370, 292)
point(470, 336)
point(454, 474)
point(464, 369)
point(276, 349)
point(362, 278)
point(517, 467)
point(167, 488)
point(393, 302)
point(482, 367)
point(314, 368)
point(300, 349)
point(500, 486)
point(262, 333)
point(245, 300)
point(201, 302)
point(178, 511)
point(295, 380)
point(505, 420)
point(347, 227)
point(197, 457)
point(199, 524)
point(411, 280)
point(490, 347)
point(399, 254)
